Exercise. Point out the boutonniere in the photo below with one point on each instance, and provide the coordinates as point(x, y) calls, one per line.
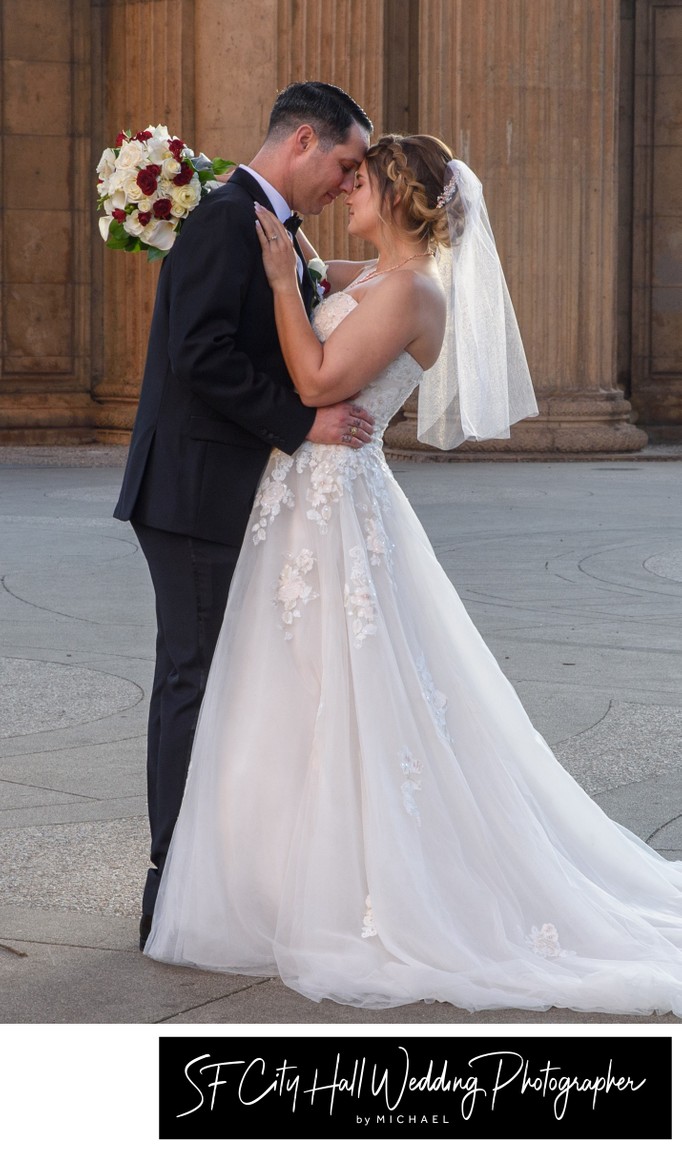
point(147, 185)
point(318, 274)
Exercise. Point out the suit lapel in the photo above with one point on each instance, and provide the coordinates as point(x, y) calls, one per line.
point(245, 180)
point(306, 284)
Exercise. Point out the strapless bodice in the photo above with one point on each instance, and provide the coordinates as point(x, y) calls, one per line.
point(386, 394)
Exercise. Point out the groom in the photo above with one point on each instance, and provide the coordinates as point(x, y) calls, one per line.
point(215, 399)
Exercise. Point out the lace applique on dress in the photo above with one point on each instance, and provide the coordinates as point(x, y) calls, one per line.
point(368, 928)
point(412, 770)
point(359, 599)
point(272, 495)
point(379, 546)
point(435, 700)
point(292, 590)
point(326, 488)
point(544, 941)
point(334, 470)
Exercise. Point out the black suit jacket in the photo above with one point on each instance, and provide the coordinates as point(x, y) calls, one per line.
point(216, 395)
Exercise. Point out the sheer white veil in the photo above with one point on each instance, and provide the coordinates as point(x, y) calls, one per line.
point(480, 384)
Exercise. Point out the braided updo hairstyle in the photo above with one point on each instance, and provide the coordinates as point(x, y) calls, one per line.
point(410, 173)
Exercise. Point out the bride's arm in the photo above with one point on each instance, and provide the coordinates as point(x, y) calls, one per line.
point(387, 320)
point(340, 273)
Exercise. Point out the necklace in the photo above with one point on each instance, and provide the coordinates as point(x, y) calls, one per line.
point(385, 271)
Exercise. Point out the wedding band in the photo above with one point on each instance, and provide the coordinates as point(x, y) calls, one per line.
point(353, 432)
point(272, 238)
point(346, 438)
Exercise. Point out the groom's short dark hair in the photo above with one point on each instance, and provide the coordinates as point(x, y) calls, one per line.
point(328, 109)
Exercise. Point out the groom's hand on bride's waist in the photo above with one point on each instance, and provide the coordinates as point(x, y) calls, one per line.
point(343, 423)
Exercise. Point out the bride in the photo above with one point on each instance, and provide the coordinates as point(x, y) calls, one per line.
point(369, 812)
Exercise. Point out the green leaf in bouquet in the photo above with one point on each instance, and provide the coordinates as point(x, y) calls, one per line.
point(154, 254)
point(118, 238)
point(220, 166)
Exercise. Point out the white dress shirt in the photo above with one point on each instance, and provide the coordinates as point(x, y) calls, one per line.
point(281, 207)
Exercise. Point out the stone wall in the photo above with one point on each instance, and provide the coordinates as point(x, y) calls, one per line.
point(555, 103)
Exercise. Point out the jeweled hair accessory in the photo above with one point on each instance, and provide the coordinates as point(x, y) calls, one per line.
point(480, 384)
point(448, 193)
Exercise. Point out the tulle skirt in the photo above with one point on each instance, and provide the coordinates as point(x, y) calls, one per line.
point(369, 812)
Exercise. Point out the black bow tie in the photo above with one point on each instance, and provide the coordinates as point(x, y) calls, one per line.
point(293, 223)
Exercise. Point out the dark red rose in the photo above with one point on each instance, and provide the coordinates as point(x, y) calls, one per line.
point(154, 170)
point(144, 218)
point(326, 286)
point(184, 175)
point(162, 209)
point(146, 182)
point(142, 136)
point(119, 215)
point(121, 139)
point(176, 147)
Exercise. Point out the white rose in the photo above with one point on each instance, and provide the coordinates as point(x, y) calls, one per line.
point(132, 154)
point(179, 212)
point(187, 197)
point(131, 188)
point(166, 189)
point(318, 265)
point(170, 168)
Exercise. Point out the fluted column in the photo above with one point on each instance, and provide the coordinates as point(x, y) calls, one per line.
point(146, 74)
point(657, 249)
point(339, 43)
point(526, 92)
point(44, 255)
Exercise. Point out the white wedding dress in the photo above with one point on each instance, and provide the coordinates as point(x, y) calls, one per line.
point(369, 812)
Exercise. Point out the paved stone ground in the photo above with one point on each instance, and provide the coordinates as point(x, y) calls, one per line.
point(571, 570)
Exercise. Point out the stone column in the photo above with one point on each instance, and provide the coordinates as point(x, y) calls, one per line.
point(145, 73)
point(340, 42)
point(45, 264)
point(657, 248)
point(526, 92)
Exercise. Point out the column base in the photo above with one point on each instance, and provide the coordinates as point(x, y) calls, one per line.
point(33, 419)
point(590, 424)
point(115, 418)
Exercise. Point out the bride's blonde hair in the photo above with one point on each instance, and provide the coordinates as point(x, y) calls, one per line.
point(410, 173)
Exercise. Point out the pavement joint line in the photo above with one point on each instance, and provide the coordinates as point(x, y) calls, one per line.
point(114, 742)
point(12, 951)
point(219, 998)
point(50, 790)
point(133, 948)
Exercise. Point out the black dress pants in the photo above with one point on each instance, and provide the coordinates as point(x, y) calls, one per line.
point(191, 579)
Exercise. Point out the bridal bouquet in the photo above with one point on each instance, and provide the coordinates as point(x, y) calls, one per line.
point(147, 185)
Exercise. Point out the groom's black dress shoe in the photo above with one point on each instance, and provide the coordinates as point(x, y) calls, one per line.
point(145, 928)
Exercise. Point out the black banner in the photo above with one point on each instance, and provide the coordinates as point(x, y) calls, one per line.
point(418, 1087)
